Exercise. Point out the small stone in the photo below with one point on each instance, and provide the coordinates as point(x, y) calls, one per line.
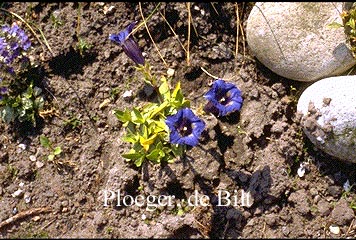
point(21, 184)
point(36, 218)
point(127, 94)
point(22, 146)
point(170, 72)
point(285, 231)
point(39, 164)
point(301, 170)
point(27, 197)
point(143, 217)
point(334, 229)
point(33, 158)
point(14, 210)
point(108, 10)
point(17, 193)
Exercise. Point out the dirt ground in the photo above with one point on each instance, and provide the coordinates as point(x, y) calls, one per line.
point(256, 151)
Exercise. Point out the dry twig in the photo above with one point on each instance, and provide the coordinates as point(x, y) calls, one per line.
point(149, 34)
point(23, 215)
point(188, 43)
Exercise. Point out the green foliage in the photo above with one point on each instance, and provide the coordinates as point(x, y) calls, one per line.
point(83, 46)
point(348, 19)
point(56, 21)
point(54, 151)
point(23, 105)
point(73, 123)
point(146, 129)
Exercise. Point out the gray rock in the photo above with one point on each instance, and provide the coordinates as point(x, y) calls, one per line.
point(329, 116)
point(293, 39)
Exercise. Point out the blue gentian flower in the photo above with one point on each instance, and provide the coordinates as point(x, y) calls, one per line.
point(223, 98)
point(185, 127)
point(128, 44)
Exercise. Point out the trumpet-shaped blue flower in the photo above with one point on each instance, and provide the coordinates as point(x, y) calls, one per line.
point(128, 44)
point(185, 127)
point(223, 98)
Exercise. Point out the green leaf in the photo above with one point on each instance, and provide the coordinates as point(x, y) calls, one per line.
point(45, 141)
point(177, 150)
point(136, 116)
point(154, 155)
point(164, 89)
point(57, 151)
point(160, 126)
point(132, 156)
point(159, 109)
point(131, 138)
point(28, 93)
point(335, 25)
point(139, 161)
point(123, 116)
point(352, 23)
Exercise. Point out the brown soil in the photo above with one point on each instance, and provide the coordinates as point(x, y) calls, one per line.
point(256, 151)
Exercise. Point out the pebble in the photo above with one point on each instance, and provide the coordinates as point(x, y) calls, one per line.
point(328, 112)
point(127, 94)
point(17, 193)
point(170, 72)
point(27, 197)
point(334, 229)
point(33, 158)
point(39, 164)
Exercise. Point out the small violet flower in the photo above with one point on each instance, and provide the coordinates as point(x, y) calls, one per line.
point(128, 44)
point(223, 98)
point(185, 127)
point(13, 42)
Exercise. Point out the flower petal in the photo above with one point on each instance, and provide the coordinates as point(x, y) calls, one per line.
point(185, 116)
point(221, 89)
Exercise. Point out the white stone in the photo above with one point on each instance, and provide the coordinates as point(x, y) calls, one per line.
point(127, 94)
point(334, 229)
point(170, 72)
point(329, 116)
point(293, 39)
point(301, 170)
point(17, 193)
point(39, 164)
point(33, 158)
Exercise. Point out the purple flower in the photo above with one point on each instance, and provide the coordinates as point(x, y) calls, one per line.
point(223, 98)
point(19, 35)
point(129, 45)
point(185, 127)
point(13, 42)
